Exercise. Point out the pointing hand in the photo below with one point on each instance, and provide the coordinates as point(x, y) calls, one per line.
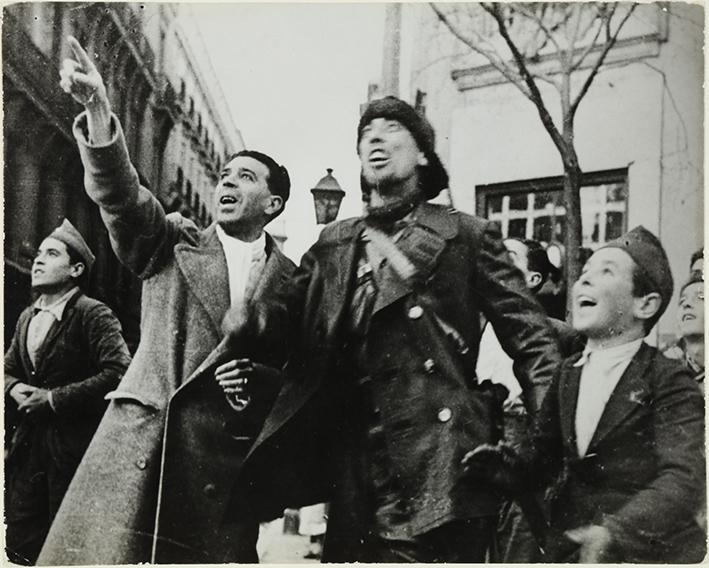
point(80, 78)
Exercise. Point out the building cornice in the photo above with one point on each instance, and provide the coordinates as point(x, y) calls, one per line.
point(625, 51)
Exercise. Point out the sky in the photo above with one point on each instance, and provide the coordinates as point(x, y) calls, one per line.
point(294, 76)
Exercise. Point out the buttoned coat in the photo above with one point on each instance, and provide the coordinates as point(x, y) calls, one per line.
point(152, 485)
point(643, 473)
point(81, 359)
point(467, 272)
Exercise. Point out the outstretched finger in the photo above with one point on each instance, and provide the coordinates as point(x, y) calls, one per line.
point(80, 54)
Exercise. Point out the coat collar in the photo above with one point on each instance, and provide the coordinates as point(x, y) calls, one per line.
point(629, 393)
point(275, 272)
point(205, 271)
point(568, 400)
point(437, 218)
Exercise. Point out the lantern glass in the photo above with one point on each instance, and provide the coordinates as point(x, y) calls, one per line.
point(327, 204)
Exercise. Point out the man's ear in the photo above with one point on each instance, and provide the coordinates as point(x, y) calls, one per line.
point(647, 306)
point(77, 269)
point(422, 159)
point(274, 206)
point(534, 279)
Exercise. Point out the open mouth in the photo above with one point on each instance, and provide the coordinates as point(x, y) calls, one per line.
point(227, 200)
point(688, 317)
point(378, 157)
point(586, 302)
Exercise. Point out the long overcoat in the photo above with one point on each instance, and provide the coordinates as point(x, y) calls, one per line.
point(467, 272)
point(153, 482)
point(643, 475)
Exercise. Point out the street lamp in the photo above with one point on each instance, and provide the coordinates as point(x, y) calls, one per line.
point(327, 195)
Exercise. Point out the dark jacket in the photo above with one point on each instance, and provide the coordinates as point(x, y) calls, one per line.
point(467, 272)
point(82, 358)
point(163, 460)
point(643, 471)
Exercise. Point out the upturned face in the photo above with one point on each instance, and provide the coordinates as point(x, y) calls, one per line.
point(603, 301)
point(388, 153)
point(242, 196)
point(691, 310)
point(52, 268)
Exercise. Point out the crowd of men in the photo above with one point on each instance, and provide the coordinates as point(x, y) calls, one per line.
point(404, 373)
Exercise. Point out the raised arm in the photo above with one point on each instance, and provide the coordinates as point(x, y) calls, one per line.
point(140, 234)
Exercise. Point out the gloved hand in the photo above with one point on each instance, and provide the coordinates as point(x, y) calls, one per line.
point(496, 465)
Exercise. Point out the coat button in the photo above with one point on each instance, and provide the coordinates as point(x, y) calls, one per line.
point(141, 463)
point(415, 312)
point(429, 365)
point(445, 414)
point(210, 490)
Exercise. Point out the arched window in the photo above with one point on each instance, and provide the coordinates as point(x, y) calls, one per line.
point(188, 193)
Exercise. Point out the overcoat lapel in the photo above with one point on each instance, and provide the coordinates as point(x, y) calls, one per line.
point(273, 274)
point(205, 272)
point(568, 401)
point(339, 267)
point(422, 244)
point(629, 395)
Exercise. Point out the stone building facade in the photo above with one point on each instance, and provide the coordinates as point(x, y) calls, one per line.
point(178, 128)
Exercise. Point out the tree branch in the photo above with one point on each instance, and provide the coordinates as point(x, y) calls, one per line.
point(535, 95)
point(492, 57)
point(599, 62)
point(589, 47)
point(522, 9)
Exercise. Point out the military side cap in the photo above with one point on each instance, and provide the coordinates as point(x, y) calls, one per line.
point(647, 252)
point(67, 233)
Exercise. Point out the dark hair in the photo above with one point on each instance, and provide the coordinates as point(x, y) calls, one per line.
point(75, 258)
point(642, 286)
point(278, 179)
point(537, 260)
point(695, 257)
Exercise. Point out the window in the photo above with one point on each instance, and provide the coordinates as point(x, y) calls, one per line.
point(534, 209)
point(188, 193)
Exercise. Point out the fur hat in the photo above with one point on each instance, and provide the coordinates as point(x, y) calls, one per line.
point(647, 252)
point(67, 233)
point(434, 177)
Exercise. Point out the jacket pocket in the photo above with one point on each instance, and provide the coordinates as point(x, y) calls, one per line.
point(125, 396)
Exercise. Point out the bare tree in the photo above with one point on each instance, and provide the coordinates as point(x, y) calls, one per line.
point(577, 37)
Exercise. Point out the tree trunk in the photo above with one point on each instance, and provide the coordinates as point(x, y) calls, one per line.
point(573, 240)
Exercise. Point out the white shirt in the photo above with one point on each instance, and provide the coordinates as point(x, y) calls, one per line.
point(602, 369)
point(239, 258)
point(42, 321)
point(495, 365)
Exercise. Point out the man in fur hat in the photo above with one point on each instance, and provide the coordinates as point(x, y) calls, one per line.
point(624, 424)
point(66, 354)
point(380, 402)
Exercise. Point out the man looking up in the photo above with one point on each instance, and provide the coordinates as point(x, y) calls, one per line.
point(380, 405)
point(162, 462)
point(66, 354)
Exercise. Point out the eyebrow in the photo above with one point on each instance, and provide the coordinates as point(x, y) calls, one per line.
point(48, 249)
point(240, 169)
